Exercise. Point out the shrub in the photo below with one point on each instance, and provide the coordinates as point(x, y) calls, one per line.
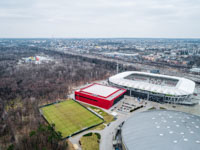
point(11, 147)
point(98, 135)
point(162, 108)
point(88, 134)
point(152, 108)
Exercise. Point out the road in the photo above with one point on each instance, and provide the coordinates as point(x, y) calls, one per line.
point(108, 132)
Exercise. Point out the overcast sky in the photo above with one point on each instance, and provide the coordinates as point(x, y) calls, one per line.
point(100, 18)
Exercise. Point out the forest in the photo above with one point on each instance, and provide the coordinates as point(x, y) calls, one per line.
point(26, 86)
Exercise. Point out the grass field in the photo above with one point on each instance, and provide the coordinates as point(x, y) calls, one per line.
point(69, 117)
point(107, 117)
point(90, 142)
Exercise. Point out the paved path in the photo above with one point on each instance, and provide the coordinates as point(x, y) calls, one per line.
point(75, 139)
point(108, 132)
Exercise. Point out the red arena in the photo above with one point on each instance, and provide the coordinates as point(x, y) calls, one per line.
point(100, 95)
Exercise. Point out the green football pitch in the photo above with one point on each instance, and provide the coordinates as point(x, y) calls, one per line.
point(69, 117)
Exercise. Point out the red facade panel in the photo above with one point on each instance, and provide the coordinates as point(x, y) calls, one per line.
point(93, 100)
point(96, 100)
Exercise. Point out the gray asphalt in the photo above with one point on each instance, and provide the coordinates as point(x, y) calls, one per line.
point(108, 132)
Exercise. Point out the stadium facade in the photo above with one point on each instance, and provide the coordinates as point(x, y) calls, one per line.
point(155, 87)
point(161, 130)
point(100, 95)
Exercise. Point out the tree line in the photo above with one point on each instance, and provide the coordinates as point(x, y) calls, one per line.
point(24, 87)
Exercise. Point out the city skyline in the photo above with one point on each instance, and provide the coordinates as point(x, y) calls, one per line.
point(100, 19)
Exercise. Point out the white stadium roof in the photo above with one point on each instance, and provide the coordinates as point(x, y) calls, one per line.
point(183, 87)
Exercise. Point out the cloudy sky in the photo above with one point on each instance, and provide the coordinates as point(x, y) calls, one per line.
point(100, 18)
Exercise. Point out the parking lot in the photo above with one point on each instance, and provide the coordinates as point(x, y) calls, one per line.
point(128, 104)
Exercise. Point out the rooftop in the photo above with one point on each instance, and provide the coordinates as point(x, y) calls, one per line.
point(102, 91)
point(162, 129)
point(182, 87)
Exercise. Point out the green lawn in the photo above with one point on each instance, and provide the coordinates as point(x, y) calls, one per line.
point(90, 142)
point(69, 117)
point(107, 117)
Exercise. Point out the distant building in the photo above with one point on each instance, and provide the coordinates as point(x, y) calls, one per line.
point(36, 59)
point(155, 71)
point(31, 59)
point(195, 70)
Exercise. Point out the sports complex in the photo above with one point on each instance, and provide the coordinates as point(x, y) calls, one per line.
point(155, 87)
point(70, 117)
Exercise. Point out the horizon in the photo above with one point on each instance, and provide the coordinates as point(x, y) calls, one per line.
point(100, 38)
point(100, 19)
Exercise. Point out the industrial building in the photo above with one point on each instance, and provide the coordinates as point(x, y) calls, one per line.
point(100, 95)
point(155, 87)
point(161, 130)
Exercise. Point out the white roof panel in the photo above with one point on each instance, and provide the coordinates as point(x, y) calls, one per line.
point(100, 90)
point(183, 87)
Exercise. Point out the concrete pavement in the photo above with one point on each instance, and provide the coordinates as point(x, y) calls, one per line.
point(107, 133)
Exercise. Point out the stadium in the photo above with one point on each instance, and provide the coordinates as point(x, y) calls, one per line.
point(155, 87)
point(161, 130)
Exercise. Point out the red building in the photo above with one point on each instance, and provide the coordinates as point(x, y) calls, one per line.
point(100, 95)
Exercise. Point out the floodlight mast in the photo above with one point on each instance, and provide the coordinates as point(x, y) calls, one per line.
point(117, 67)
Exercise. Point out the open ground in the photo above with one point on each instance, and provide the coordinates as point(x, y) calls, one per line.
point(69, 117)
